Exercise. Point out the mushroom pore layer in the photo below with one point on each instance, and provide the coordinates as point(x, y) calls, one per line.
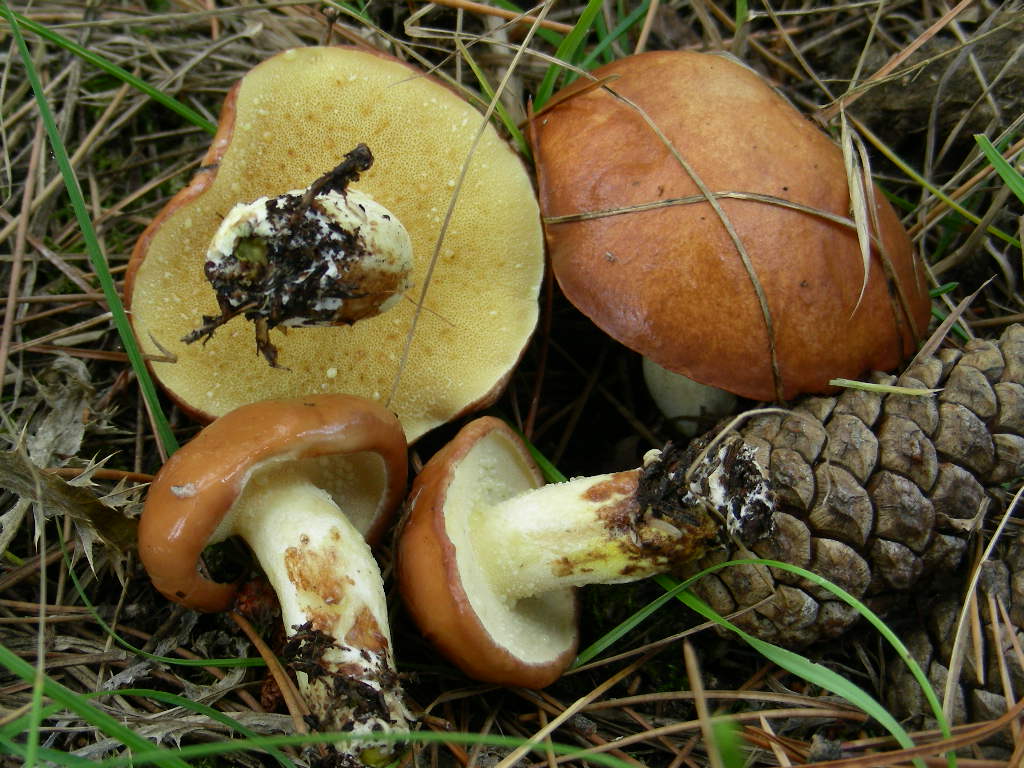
point(291, 119)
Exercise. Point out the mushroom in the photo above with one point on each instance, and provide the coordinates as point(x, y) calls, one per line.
point(638, 247)
point(307, 482)
point(488, 557)
point(291, 119)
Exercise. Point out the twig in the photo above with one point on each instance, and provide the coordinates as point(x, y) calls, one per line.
point(828, 113)
point(490, 10)
point(296, 705)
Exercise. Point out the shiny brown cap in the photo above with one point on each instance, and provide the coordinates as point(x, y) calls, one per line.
point(194, 491)
point(638, 249)
point(437, 592)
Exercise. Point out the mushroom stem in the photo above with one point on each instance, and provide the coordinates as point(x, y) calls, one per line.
point(332, 604)
point(323, 255)
point(609, 528)
point(598, 536)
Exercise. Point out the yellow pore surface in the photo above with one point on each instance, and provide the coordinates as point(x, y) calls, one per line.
point(297, 115)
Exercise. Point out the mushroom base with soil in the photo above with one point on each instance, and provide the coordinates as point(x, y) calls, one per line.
point(332, 604)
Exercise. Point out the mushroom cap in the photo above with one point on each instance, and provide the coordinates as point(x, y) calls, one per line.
point(288, 121)
point(667, 280)
point(350, 447)
point(528, 643)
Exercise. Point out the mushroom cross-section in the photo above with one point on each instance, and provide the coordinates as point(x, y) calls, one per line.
point(458, 188)
point(488, 556)
point(303, 481)
point(698, 218)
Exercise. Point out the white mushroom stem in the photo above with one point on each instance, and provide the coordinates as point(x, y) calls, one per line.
point(327, 581)
point(597, 530)
point(690, 406)
point(561, 535)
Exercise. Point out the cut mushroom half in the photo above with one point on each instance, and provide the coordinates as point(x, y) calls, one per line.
point(489, 556)
point(307, 482)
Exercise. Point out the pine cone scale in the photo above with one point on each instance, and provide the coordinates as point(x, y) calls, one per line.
point(877, 492)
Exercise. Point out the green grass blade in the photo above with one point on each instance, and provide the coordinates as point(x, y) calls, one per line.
point(7, 746)
point(202, 709)
point(876, 621)
point(90, 714)
point(488, 91)
point(627, 626)
point(917, 178)
point(1013, 178)
point(728, 740)
point(742, 14)
point(234, 662)
point(99, 263)
point(800, 665)
point(566, 51)
point(620, 29)
point(210, 750)
point(111, 69)
point(18, 725)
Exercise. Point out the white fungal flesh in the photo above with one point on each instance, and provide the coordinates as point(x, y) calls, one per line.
point(386, 243)
point(535, 629)
point(753, 503)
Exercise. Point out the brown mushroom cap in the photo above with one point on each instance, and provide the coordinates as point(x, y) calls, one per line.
point(352, 448)
point(291, 119)
point(668, 281)
point(528, 643)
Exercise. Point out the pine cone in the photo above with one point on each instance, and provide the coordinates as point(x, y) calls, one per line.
point(877, 493)
point(990, 663)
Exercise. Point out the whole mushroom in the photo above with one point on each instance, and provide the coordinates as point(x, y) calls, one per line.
point(307, 482)
point(287, 123)
point(705, 223)
point(488, 556)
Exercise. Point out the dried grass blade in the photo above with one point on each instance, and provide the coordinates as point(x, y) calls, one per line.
point(816, 673)
point(110, 68)
point(428, 277)
point(700, 703)
point(844, 101)
point(855, 179)
point(75, 703)
point(917, 178)
point(957, 653)
point(489, 94)
point(92, 245)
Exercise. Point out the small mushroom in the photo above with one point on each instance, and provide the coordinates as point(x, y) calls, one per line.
point(489, 557)
point(458, 188)
point(637, 245)
point(307, 482)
